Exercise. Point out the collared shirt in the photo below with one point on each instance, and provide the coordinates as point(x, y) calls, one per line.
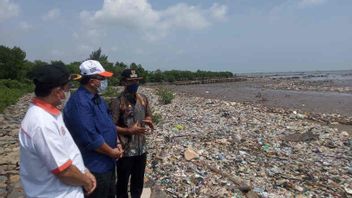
point(90, 124)
point(46, 149)
point(125, 114)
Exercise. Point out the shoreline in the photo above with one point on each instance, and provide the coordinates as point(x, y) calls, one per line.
point(319, 99)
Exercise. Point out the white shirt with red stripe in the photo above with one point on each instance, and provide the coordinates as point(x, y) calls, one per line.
point(46, 149)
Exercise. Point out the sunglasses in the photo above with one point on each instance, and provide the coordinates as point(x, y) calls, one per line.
point(98, 77)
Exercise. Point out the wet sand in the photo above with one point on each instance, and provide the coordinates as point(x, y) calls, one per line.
point(255, 92)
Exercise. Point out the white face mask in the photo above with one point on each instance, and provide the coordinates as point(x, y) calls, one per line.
point(103, 86)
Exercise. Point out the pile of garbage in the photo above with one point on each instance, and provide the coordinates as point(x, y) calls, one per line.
point(324, 118)
point(298, 85)
point(213, 148)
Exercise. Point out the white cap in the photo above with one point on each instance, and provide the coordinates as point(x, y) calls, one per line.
point(93, 67)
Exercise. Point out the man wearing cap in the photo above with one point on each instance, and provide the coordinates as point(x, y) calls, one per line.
point(51, 165)
point(87, 117)
point(131, 112)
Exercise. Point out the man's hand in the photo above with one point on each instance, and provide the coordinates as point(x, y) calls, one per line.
point(74, 177)
point(136, 129)
point(149, 123)
point(117, 153)
point(88, 185)
point(119, 146)
point(90, 188)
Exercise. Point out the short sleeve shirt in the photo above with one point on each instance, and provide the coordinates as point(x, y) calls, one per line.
point(46, 149)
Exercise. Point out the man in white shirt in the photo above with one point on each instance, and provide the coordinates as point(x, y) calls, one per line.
point(51, 165)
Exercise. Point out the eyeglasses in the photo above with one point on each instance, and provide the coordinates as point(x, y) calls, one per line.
point(98, 77)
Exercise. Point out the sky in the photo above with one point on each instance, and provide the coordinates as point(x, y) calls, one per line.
point(240, 36)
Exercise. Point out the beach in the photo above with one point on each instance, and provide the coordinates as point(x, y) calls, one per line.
point(322, 95)
point(280, 153)
point(286, 136)
point(232, 140)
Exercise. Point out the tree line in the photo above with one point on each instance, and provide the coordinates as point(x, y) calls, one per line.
point(15, 66)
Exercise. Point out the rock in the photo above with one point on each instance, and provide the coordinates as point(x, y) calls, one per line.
point(304, 137)
point(273, 171)
point(348, 190)
point(190, 154)
point(158, 192)
point(244, 187)
point(3, 181)
point(14, 178)
point(2, 170)
point(299, 188)
point(349, 170)
point(344, 135)
point(10, 158)
point(3, 192)
point(146, 193)
point(16, 193)
point(251, 194)
point(301, 196)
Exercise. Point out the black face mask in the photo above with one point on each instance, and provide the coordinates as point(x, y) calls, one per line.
point(132, 88)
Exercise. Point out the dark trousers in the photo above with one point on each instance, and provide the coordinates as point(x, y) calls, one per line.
point(105, 185)
point(134, 167)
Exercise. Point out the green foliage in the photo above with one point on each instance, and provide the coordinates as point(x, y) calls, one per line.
point(32, 66)
point(110, 92)
point(11, 91)
point(165, 95)
point(12, 63)
point(102, 58)
point(176, 75)
point(157, 118)
point(74, 67)
point(14, 66)
point(140, 71)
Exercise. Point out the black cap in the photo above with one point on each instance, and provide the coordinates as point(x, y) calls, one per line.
point(51, 76)
point(130, 74)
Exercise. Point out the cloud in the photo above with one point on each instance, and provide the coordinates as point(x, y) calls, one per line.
point(138, 15)
point(25, 26)
point(56, 53)
point(306, 3)
point(83, 48)
point(218, 11)
point(289, 7)
point(52, 14)
point(8, 10)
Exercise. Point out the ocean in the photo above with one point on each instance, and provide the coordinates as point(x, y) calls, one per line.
point(339, 75)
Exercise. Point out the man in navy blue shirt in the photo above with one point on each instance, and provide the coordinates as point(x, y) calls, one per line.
point(87, 117)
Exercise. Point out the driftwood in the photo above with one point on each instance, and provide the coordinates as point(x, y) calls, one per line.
point(243, 186)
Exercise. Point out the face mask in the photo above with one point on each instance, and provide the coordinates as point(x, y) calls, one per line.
point(132, 88)
point(103, 86)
